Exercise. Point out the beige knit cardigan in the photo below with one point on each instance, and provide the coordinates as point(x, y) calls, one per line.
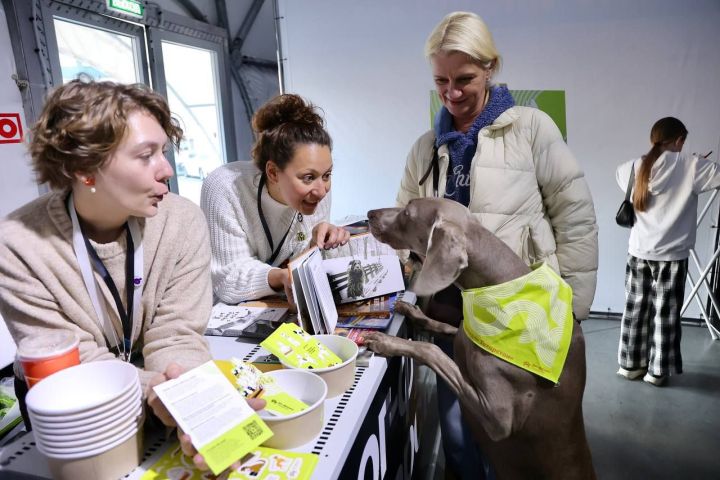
point(41, 287)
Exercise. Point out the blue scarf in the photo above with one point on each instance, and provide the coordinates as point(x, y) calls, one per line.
point(462, 146)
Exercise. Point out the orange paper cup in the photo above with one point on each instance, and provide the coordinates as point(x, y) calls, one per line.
point(46, 354)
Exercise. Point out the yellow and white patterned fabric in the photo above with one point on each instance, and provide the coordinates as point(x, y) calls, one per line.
point(527, 321)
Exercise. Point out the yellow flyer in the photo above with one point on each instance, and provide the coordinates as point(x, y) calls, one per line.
point(294, 346)
point(261, 463)
point(221, 424)
point(252, 383)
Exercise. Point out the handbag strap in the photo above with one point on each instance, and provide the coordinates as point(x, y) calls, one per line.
point(434, 167)
point(630, 182)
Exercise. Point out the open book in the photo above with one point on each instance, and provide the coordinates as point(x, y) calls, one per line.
point(322, 279)
point(232, 320)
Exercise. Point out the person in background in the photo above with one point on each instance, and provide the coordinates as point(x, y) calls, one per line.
point(264, 212)
point(109, 254)
point(510, 166)
point(664, 196)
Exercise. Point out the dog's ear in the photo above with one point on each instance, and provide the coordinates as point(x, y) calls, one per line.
point(445, 259)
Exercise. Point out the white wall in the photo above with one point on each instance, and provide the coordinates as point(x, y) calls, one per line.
point(622, 65)
point(16, 180)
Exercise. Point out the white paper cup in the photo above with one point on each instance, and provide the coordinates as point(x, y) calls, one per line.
point(90, 438)
point(109, 463)
point(96, 414)
point(81, 388)
point(290, 431)
point(90, 426)
point(97, 449)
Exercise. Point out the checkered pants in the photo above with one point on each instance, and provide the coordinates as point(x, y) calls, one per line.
point(651, 330)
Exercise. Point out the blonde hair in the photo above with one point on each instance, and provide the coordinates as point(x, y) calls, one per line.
point(82, 123)
point(664, 133)
point(467, 33)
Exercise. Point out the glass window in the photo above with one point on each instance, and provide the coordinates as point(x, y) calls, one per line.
point(191, 77)
point(91, 53)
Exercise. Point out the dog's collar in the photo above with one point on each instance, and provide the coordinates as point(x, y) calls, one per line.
point(527, 321)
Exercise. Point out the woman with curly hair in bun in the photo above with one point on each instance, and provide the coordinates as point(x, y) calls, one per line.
point(264, 212)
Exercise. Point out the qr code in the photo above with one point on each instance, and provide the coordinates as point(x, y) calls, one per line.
point(253, 430)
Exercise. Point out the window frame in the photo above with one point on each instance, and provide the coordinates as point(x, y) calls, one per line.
point(38, 58)
point(56, 8)
point(227, 126)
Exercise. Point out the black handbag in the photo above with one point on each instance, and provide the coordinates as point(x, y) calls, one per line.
point(625, 216)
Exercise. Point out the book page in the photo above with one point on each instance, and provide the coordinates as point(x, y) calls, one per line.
point(319, 279)
point(303, 311)
point(310, 296)
point(362, 268)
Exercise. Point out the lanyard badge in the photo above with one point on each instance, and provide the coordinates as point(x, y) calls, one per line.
point(88, 261)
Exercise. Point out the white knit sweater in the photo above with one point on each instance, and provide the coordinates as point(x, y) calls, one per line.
point(239, 245)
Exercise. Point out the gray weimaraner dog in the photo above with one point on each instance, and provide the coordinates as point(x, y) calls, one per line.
point(529, 427)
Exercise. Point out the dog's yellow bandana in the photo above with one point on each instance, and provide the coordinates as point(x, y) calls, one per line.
point(527, 321)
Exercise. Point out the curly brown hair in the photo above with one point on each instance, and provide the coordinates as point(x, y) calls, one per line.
point(282, 124)
point(82, 123)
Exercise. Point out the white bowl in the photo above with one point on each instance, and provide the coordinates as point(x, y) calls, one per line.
point(87, 450)
point(116, 407)
point(79, 452)
point(81, 387)
point(339, 377)
point(114, 462)
point(137, 435)
point(290, 431)
point(88, 438)
point(102, 423)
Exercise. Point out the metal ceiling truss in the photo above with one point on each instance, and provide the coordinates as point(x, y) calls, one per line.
point(237, 59)
point(196, 27)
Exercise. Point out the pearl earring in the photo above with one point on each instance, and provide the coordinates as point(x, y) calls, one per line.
point(90, 182)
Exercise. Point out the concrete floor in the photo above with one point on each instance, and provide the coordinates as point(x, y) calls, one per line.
point(638, 431)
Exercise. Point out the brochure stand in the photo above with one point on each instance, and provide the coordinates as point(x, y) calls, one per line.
point(703, 280)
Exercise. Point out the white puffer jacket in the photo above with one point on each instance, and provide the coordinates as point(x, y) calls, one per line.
point(528, 189)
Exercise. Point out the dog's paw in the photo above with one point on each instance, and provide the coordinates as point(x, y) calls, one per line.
point(376, 342)
point(410, 310)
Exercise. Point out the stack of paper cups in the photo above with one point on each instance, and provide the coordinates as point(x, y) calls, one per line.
point(86, 420)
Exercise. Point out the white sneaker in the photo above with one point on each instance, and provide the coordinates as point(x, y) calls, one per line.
point(631, 374)
point(653, 380)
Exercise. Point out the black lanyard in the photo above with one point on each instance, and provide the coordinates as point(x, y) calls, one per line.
point(268, 235)
point(126, 317)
